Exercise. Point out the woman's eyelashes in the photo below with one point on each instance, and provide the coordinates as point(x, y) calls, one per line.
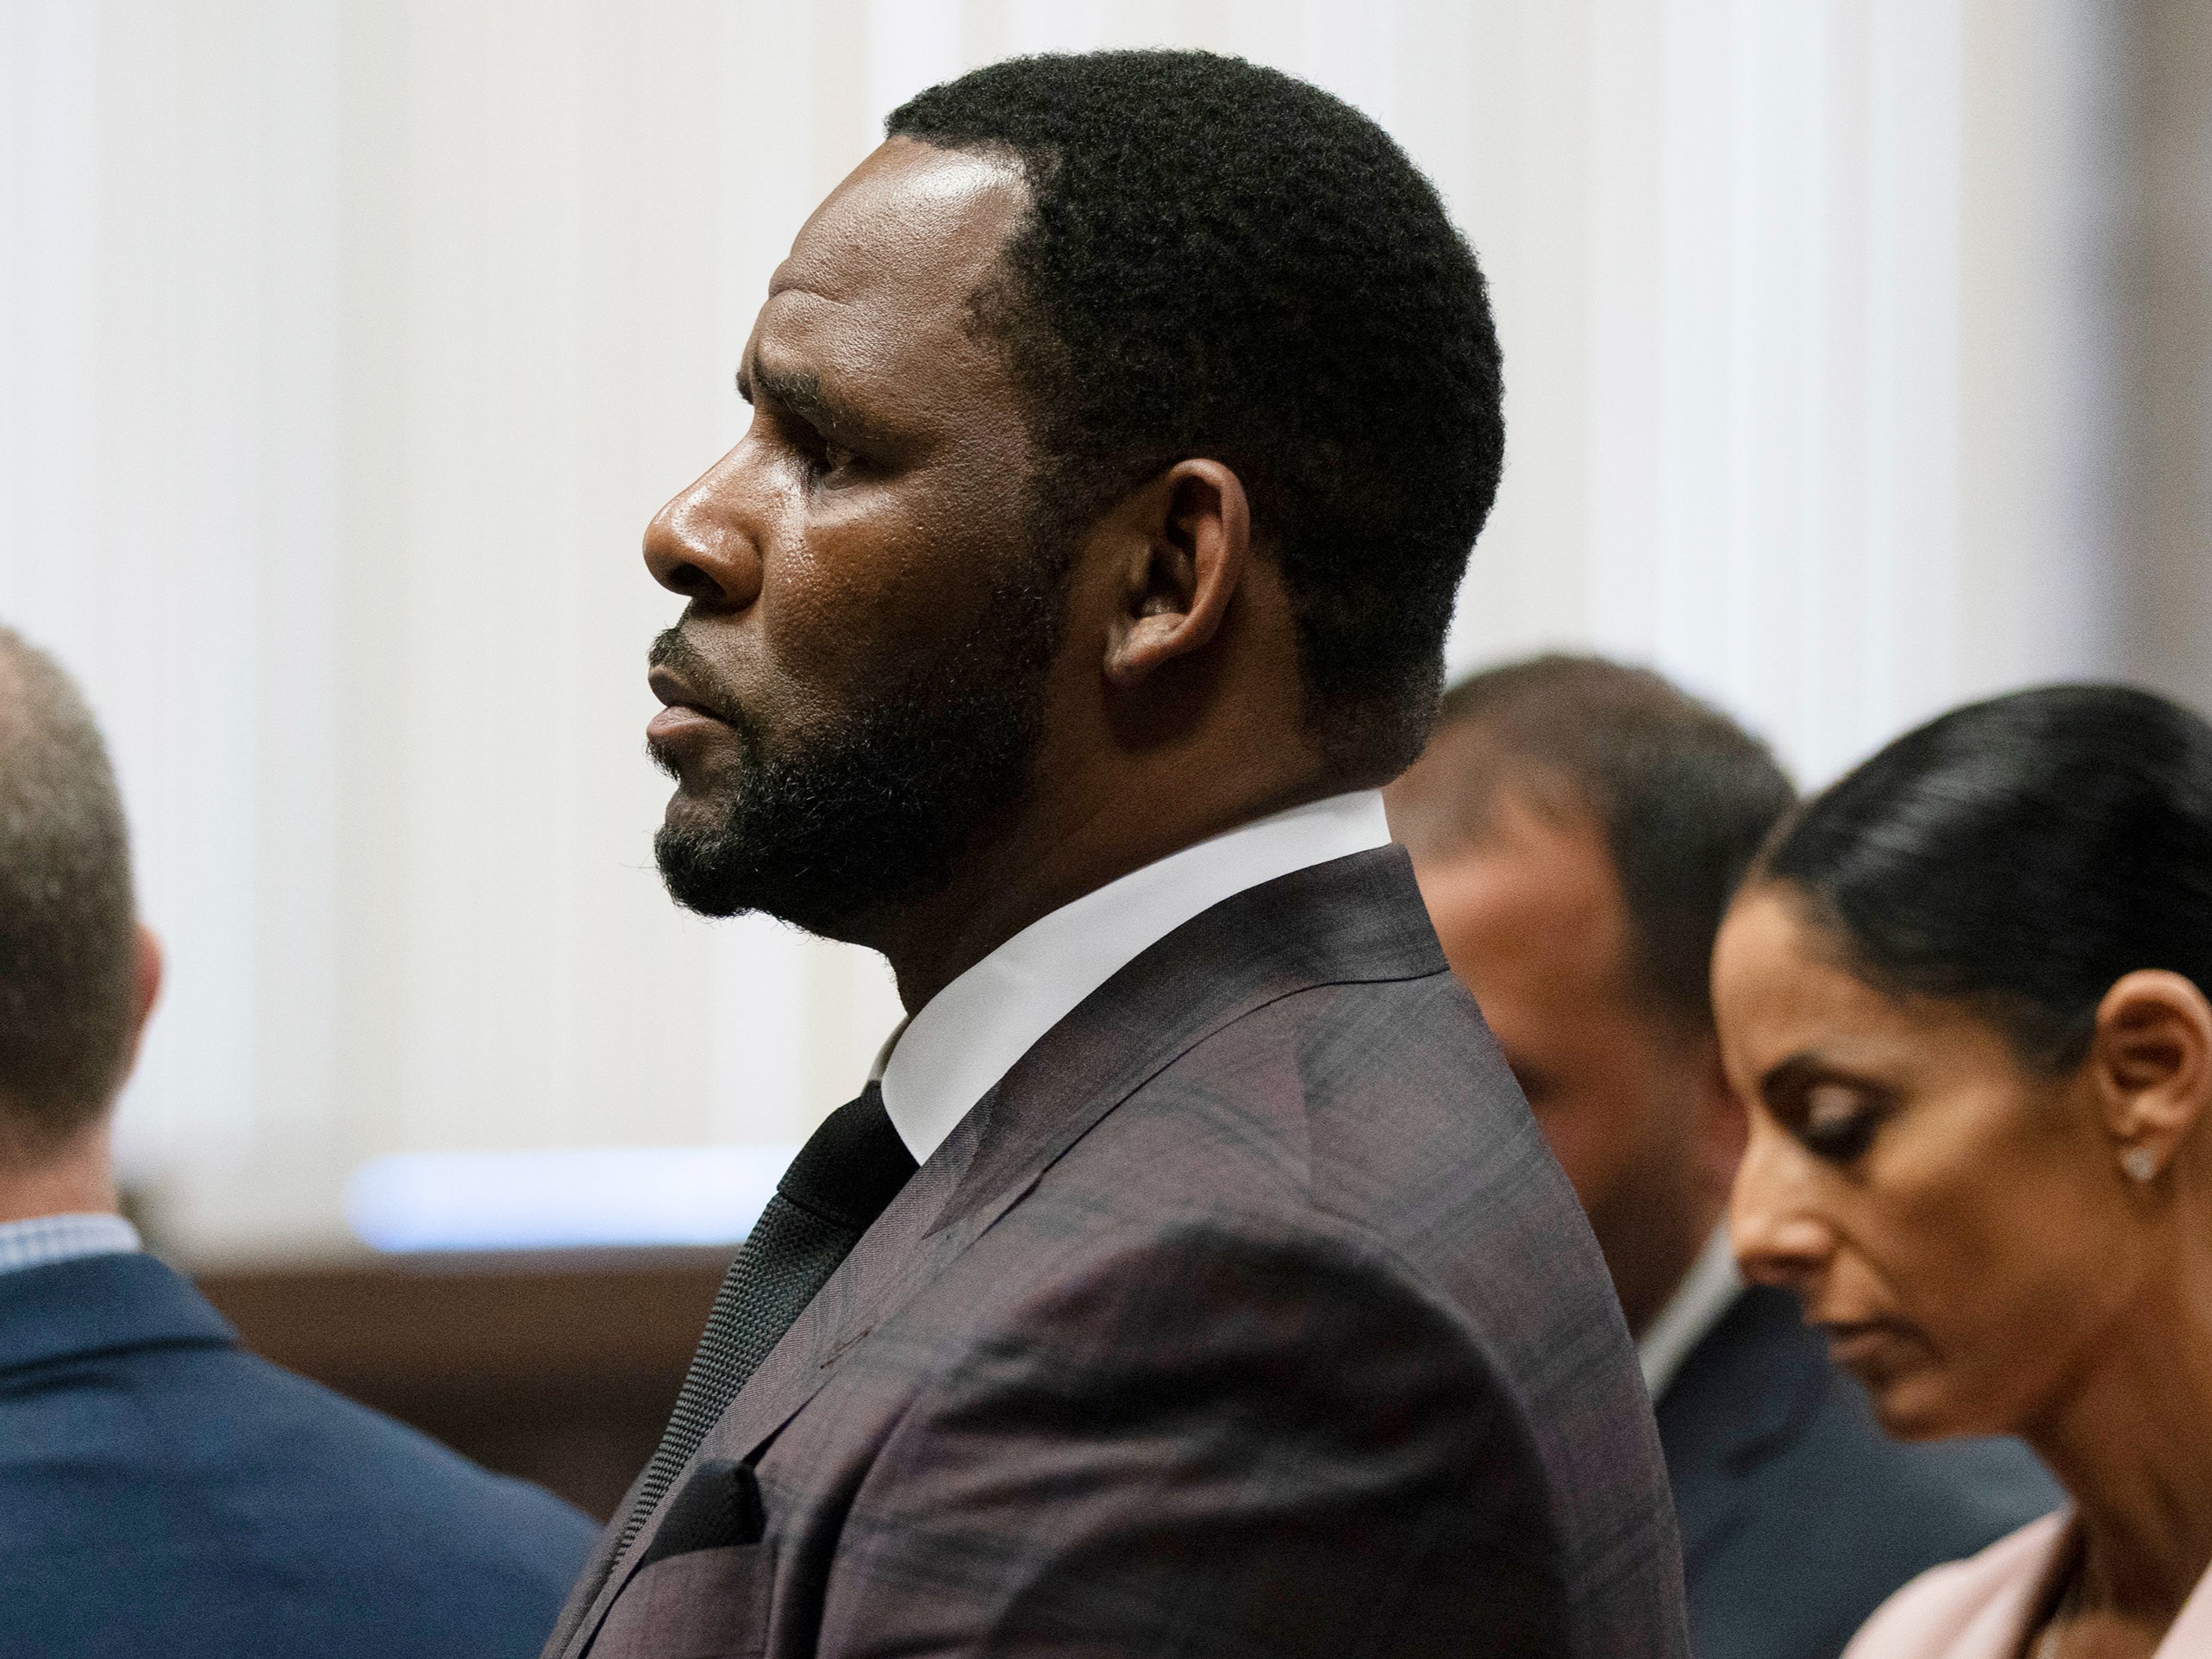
point(1836, 1121)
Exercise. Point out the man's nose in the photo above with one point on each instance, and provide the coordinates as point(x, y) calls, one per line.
point(703, 545)
point(1777, 1235)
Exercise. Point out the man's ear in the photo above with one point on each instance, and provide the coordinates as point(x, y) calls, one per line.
point(146, 983)
point(1186, 562)
point(2150, 1067)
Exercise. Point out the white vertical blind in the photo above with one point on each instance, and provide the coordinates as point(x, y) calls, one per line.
point(345, 349)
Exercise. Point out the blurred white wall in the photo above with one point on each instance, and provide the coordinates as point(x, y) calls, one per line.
point(2157, 242)
point(347, 346)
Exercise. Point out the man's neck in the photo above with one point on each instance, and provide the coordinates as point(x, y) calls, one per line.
point(76, 1177)
point(1047, 857)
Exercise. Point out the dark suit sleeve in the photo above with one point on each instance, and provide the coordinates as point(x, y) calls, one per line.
point(1222, 1440)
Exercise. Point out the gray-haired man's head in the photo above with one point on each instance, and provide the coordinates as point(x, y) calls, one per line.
point(71, 996)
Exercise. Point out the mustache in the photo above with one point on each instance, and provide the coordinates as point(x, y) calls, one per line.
point(672, 650)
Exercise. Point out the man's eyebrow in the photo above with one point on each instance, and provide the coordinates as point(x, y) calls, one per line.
point(803, 395)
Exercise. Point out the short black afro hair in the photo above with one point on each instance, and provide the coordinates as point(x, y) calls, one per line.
point(1224, 261)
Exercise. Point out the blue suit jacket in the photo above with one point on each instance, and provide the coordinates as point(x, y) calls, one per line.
point(164, 1491)
point(1799, 1516)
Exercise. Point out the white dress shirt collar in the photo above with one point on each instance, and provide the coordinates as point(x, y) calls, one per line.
point(946, 1057)
point(41, 1240)
point(1700, 1301)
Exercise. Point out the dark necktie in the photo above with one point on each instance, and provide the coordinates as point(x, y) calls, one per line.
point(845, 1176)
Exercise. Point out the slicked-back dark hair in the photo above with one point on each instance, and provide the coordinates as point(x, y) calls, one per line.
point(1684, 795)
point(67, 917)
point(1223, 261)
point(2022, 853)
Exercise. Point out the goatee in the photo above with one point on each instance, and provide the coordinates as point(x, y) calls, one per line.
point(867, 811)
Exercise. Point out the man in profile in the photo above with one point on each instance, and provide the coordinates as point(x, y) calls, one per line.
point(1192, 1278)
point(1577, 828)
point(162, 1491)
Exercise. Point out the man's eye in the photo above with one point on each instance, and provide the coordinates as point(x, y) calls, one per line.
point(833, 457)
point(1838, 1122)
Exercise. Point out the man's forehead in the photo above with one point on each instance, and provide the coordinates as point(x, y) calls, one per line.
point(910, 221)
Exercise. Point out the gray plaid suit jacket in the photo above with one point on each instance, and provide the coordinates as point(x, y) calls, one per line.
point(1248, 1314)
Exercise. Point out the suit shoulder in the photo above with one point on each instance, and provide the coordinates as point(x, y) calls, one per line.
point(1371, 1099)
point(392, 1464)
point(1986, 1486)
point(1941, 1500)
point(272, 1468)
point(1247, 1255)
point(1249, 1313)
point(1386, 1105)
point(1799, 1515)
point(233, 1507)
point(1206, 1427)
point(1759, 1404)
point(1328, 1133)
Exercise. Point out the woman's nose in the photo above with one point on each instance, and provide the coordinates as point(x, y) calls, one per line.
point(1778, 1237)
point(705, 544)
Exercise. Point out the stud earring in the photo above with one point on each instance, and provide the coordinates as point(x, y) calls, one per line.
point(2141, 1162)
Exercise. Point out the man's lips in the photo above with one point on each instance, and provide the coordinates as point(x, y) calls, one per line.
point(678, 721)
point(683, 712)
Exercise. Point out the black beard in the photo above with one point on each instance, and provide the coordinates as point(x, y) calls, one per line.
point(870, 811)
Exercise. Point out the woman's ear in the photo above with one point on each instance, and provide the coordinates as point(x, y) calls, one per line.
point(1186, 563)
point(2150, 1063)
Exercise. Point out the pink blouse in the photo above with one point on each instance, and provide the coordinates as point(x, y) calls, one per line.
point(1980, 1608)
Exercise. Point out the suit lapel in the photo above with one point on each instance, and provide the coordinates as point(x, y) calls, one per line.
point(1743, 1396)
point(894, 1260)
point(1351, 919)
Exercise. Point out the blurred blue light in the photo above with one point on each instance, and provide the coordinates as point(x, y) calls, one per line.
point(562, 1199)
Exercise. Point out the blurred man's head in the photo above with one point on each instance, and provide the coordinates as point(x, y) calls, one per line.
point(1577, 827)
point(78, 976)
point(1033, 381)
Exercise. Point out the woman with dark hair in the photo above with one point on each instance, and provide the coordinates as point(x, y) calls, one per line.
point(1963, 992)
